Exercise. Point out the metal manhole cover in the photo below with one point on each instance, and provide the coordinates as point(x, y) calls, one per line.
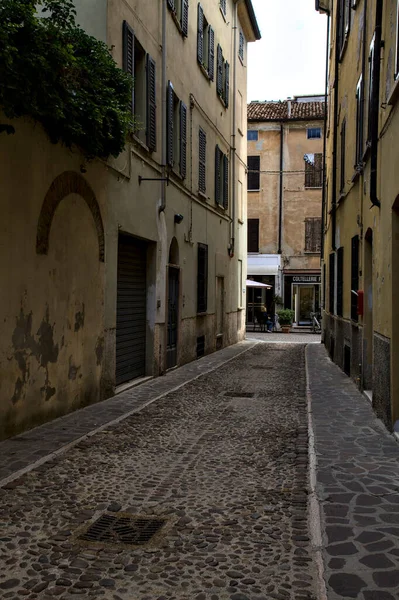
point(237, 394)
point(122, 529)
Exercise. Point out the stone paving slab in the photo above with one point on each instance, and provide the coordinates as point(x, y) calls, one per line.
point(223, 459)
point(286, 338)
point(357, 486)
point(39, 444)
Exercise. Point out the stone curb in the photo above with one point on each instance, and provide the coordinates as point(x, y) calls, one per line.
point(249, 345)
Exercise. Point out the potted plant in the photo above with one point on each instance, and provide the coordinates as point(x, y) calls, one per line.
point(285, 318)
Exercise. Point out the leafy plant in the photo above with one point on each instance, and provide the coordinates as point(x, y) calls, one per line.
point(285, 316)
point(55, 73)
point(278, 300)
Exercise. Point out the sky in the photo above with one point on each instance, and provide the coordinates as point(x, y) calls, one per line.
point(290, 58)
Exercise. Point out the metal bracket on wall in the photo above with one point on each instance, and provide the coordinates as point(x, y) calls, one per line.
point(153, 179)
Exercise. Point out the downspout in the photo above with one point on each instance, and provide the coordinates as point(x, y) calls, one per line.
point(163, 116)
point(280, 202)
point(233, 139)
point(375, 105)
point(323, 198)
point(335, 141)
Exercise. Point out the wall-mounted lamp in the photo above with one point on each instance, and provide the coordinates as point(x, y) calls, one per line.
point(178, 218)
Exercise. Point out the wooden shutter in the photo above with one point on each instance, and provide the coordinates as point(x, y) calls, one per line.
point(151, 105)
point(313, 234)
point(217, 174)
point(343, 143)
point(331, 282)
point(225, 182)
point(211, 53)
point(171, 4)
point(223, 6)
point(200, 35)
point(202, 161)
point(183, 139)
point(128, 53)
point(241, 46)
point(202, 278)
point(318, 170)
point(340, 280)
point(226, 83)
point(308, 235)
point(169, 135)
point(184, 17)
point(253, 235)
point(354, 276)
point(253, 172)
point(219, 71)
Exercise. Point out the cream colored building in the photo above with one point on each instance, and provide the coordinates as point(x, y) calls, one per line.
point(285, 158)
point(113, 272)
point(361, 213)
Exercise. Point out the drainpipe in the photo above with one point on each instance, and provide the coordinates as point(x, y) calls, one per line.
point(335, 141)
point(233, 139)
point(323, 198)
point(280, 203)
point(163, 116)
point(375, 100)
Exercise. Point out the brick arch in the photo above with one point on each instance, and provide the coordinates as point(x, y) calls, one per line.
point(67, 183)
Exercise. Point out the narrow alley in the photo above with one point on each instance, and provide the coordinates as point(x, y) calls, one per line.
point(218, 474)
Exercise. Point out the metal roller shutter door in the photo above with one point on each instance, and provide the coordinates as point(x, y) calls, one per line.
point(131, 310)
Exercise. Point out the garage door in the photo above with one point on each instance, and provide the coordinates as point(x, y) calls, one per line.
point(131, 309)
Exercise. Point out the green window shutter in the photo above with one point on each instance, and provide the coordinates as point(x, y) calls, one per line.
point(217, 174)
point(202, 278)
point(200, 35)
point(241, 46)
point(225, 182)
point(169, 108)
point(151, 104)
point(226, 83)
point(171, 4)
point(183, 139)
point(128, 53)
point(219, 71)
point(202, 161)
point(211, 53)
point(184, 17)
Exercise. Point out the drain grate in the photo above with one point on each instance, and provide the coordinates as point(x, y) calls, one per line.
point(122, 529)
point(237, 394)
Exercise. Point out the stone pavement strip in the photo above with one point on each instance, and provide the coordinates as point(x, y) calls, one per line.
point(357, 485)
point(223, 460)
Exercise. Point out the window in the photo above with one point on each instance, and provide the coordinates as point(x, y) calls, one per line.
point(313, 234)
point(179, 9)
point(176, 132)
point(359, 120)
point(344, 22)
point(253, 173)
point(313, 170)
point(205, 45)
point(240, 201)
point(343, 142)
point(372, 84)
point(202, 278)
point(331, 282)
point(397, 43)
point(239, 111)
point(340, 281)
point(202, 161)
point(221, 178)
point(354, 277)
point(222, 77)
point(253, 235)
point(240, 284)
point(241, 46)
point(223, 6)
point(252, 135)
point(314, 133)
point(141, 67)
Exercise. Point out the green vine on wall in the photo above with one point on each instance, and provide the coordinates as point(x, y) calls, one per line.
point(55, 73)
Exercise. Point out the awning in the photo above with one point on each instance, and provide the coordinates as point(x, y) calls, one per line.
point(257, 284)
point(263, 264)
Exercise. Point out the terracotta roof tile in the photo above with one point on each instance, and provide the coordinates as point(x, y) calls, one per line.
point(274, 111)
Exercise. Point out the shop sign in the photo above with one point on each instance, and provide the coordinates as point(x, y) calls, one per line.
point(306, 279)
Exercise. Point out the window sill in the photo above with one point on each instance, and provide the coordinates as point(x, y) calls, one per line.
point(221, 207)
point(394, 93)
point(137, 140)
point(222, 13)
point(240, 132)
point(241, 60)
point(178, 24)
point(240, 221)
point(204, 71)
point(318, 187)
point(222, 101)
point(202, 195)
point(254, 190)
point(201, 314)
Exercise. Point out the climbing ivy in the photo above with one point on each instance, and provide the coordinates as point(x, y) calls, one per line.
point(55, 73)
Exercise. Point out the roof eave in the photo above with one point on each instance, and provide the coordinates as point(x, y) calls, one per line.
point(282, 120)
point(252, 18)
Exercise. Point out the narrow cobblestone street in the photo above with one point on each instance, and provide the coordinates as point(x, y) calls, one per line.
point(218, 450)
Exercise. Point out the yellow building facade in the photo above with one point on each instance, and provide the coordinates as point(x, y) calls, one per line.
point(361, 244)
point(285, 157)
point(111, 272)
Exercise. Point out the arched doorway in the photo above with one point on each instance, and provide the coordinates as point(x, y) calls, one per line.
point(395, 312)
point(368, 330)
point(173, 304)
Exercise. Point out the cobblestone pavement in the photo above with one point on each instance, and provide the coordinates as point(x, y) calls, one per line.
point(357, 484)
point(227, 470)
point(39, 444)
point(287, 338)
